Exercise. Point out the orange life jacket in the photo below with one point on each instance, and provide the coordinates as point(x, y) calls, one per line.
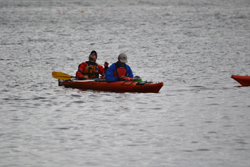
point(90, 71)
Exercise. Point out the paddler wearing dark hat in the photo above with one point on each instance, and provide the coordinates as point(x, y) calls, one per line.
point(90, 69)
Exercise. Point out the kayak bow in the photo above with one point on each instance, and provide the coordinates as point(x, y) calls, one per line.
point(243, 80)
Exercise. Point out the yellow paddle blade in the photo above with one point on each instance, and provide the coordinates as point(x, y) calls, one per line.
point(61, 75)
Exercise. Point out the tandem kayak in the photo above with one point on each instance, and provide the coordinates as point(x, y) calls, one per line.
point(243, 80)
point(117, 86)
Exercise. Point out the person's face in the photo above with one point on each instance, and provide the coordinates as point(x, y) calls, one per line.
point(92, 58)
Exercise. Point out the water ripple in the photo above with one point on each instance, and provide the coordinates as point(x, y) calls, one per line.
point(192, 46)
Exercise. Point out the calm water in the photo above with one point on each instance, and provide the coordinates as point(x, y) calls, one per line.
point(199, 118)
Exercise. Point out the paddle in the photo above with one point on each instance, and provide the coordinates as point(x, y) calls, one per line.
point(61, 75)
point(64, 76)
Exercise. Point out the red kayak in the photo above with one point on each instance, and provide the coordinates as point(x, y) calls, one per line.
point(243, 80)
point(118, 86)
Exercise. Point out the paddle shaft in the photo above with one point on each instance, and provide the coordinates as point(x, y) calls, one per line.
point(64, 76)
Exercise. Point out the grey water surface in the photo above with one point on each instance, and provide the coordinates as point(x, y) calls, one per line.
point(199, 118)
